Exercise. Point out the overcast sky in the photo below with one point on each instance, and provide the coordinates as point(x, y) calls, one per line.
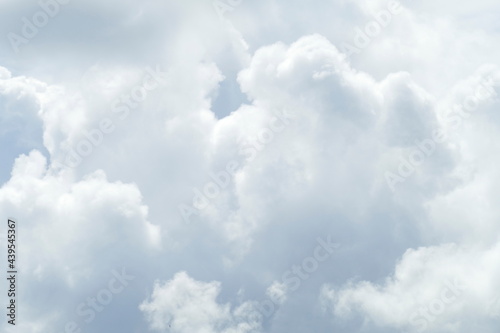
point(237, 166)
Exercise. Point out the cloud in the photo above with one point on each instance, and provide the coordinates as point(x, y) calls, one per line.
point(65, 225)
point(186, 305)
point(436, 289)
point(272, 137)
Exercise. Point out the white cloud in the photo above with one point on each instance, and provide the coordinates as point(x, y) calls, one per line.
point(436, 289)
point(186, 305)
point(313, 134)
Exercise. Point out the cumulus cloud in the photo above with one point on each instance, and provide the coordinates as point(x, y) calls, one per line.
point(257, 135)
point(57, 216)
point(186, 305)
point(433, 289)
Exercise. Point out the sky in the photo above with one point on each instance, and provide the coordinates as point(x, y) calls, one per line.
point(236, 166)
